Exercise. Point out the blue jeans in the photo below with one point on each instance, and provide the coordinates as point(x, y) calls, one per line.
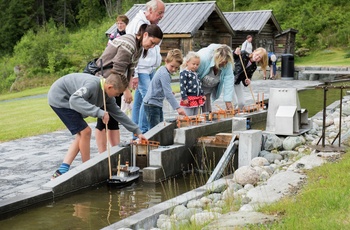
point(154, 115)
point(138, 113)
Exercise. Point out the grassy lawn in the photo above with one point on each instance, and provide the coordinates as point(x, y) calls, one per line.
point(323, 203)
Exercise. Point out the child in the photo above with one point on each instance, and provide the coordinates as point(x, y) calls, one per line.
point(76, 96)
point(192, 95)
point(160, 88)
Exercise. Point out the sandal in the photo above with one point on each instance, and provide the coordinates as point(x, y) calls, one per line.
point(56, 174)
point(264, 78)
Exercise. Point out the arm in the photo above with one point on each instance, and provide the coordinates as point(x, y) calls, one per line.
point(183, 85)
point(244, 45)
point(121, 117)
point(166, 85)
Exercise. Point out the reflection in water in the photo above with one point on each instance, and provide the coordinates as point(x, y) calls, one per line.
point(82, 211)
point(97, 207)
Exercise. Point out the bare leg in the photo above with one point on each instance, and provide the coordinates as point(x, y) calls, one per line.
point(114, 137)
point(101, 139)
point(82, 143)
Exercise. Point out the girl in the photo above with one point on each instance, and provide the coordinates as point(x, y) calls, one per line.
point(250, 61)
point(192, 95)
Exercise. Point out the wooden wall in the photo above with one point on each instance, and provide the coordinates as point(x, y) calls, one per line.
point(206, 35)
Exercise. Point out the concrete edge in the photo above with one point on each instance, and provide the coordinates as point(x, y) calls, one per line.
point(147, 218)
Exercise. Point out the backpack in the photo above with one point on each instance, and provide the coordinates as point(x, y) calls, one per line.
point(92, 67)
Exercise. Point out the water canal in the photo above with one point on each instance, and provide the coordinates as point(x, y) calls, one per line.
point(99, 206)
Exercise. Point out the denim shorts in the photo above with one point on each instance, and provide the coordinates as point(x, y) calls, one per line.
point(73, 120)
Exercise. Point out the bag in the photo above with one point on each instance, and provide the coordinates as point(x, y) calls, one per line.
point(91, 67)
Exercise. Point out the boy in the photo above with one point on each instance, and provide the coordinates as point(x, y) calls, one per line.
point(160, 88)
point(76, 96)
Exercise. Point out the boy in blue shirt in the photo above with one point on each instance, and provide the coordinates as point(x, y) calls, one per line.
point(160, 88)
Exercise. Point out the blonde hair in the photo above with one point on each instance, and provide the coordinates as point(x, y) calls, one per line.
point(221, 54)
point(119, 81)
point(188, 57)
point(264, 58)
point(174, 54)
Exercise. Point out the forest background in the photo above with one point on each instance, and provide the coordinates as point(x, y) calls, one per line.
point(42, 40)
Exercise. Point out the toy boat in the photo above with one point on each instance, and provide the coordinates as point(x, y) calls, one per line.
point(125, 176)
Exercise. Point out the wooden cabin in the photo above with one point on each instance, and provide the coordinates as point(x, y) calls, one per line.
point(264, 28)
point(189, 26)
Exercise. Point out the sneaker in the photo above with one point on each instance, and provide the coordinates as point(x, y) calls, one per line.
point(56, 174)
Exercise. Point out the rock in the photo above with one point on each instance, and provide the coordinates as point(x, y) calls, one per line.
point(307, 162)
point(293, 141)
point(204, 217)
point(272, 142)
point(246, 175)
point(258, 161)
point(271, 157)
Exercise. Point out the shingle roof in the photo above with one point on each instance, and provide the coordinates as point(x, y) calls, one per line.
point(250, 20)
point(181, 18)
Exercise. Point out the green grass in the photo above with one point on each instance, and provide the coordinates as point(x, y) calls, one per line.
point(313, 99)
point(323, 203)
point(328, 57)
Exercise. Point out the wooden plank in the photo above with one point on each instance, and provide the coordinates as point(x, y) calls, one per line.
point(225, 159)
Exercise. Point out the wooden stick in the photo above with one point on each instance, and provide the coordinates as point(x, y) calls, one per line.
point(107, 136)
point(246, 76)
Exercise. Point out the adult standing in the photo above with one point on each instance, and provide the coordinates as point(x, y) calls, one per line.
point(216, 75)
point(121, 22)
point(245, 66)
point(146, 66)
point(113, 125)
point(122, 55)
point(247, 44)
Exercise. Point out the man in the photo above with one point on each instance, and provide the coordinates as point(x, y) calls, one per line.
point(146, 66)
point(247, 45)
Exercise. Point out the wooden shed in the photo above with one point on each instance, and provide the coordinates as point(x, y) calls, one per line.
point(189, 26)
point(264, 28)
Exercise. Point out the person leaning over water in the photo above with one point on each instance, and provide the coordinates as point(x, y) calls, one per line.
point(122, 55)
point(146, 66)
point(250, 61)
point(216, 75)
point(76, 96)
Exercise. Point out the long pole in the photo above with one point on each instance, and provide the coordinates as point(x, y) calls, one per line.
point(105, 108)
point(246, 76)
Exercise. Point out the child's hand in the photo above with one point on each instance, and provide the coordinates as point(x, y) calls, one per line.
point(204, 98)
point(142, 137)
point(181, 111)
point(105, 118)
point(185, 102)
point(247, 81)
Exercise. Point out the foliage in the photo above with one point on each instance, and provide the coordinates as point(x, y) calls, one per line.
point(54, 38)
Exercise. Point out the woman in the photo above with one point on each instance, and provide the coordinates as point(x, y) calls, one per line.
point(216, 75)
point(245, 66)
point(122, 55)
